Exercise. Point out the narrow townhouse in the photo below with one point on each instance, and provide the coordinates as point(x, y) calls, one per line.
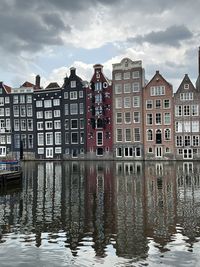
point(128, 82)
point(47, 103)
point(23, 133)
point(158, 115)
point(99, 116)
point(187, 131)
point(73, 117)
point(5, 121)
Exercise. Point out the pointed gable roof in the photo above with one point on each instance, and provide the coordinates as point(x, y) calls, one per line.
point(186, 80)
point(27, 84)
point(53, 85)
point(158, 77)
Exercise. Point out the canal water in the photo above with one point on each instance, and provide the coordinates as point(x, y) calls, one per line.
point(102, 214)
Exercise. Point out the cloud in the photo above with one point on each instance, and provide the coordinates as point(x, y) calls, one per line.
point(172, 36)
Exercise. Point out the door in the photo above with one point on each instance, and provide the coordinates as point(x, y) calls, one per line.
point(49, 152)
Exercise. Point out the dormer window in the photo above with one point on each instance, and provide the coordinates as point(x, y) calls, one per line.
point(186, 86)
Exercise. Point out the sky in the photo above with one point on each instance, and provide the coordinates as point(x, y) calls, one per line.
point(47, 37)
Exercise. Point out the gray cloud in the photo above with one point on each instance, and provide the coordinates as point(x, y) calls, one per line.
point(172, 36)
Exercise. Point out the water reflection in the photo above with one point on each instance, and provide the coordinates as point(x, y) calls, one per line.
point(119, 212)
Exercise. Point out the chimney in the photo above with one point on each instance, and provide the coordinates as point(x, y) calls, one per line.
point(37, 81)
point(72, 71)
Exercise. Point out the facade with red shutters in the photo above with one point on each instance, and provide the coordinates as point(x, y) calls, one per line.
point(99, 115)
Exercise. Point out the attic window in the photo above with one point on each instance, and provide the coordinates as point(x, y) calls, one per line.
point(186, 86)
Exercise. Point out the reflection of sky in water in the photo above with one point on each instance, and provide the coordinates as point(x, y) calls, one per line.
point(102, 214)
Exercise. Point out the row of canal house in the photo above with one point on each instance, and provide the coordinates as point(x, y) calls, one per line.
point(126, 118)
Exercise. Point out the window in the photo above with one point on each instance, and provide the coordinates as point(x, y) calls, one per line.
point(57, 138)
point(29, 111)
point(40, 125)
point(127, 88)
point(98, 98)
point(73, 84)
point(119, 135)
point(22, 99)
point(49, 139)
point(167, 118)
point(17, 140)
point(187, 126)
point(127, 117)
point(66, 138)
point(16, 125)
point(73, 108)
point(81, 108)
point(127, 75)
point(166, 103)
point(7, 110)
point(186, 110)
point(136, 101)
point(178, 111)
point(66, 124)
point(150, 150)
point(99, 138)
point(82, 138)
point(119, 152)
point(58, 150)
point(7, 100)
point(157, 103)
point(1, 101)
point(186, 96)
point(157, 90)
point(128, 135)
point(195, 126)
point(74, 124)
point(194, 110)
point(118, 76)
point(67, 109)
point(48, 114)
point(149, 118)
point(118, 117)
point(15, 99)
point(149, 135)
point(22, 111)
point(179, 140)
point(195, 140)
point(186, 86)
point(167, 134)
point(136, 117)
point(136, 74)
point(73, 95)
point(167, 150)
point(56, 102)
point(137, 134)
point(1, 111)
point(48, 125)
point(57, 124)
point(39, 114)
point(118, 88)
point(40, 137)
point(127, 102)
point(158, 136)
point(136, 87)
point(66, 95)
point(118, 102)
point(149, 104)
point(56, 113)
point(74, 138)
point(28, 99)
point(39, 103)
point(23, 125)
point(47, 103)
point(158, 118)
point(98, 86)
point(179, 127)
point(30, 125)
point(187, 140)
point(81, 94)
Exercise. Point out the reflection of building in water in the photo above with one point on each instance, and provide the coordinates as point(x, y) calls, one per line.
point(188, 199)
point(100, 204)
point(160, 201)
point(131, 240)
